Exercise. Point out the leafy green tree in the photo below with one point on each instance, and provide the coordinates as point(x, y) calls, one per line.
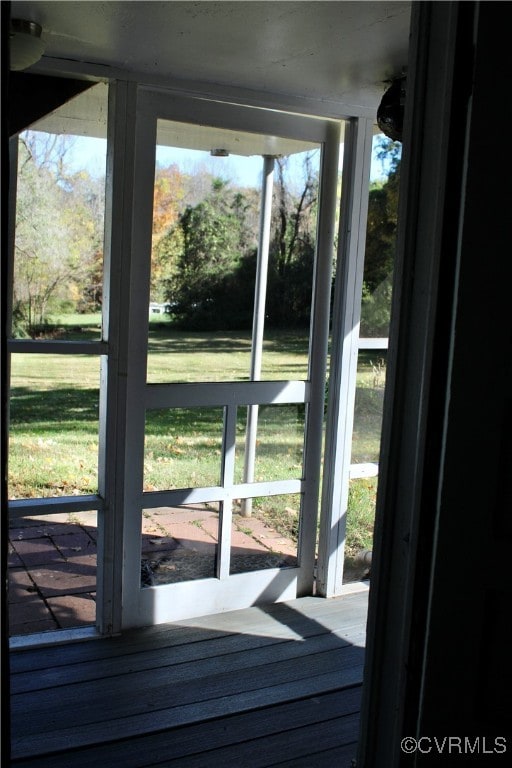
point(210, 254)
point(381, 244)
point(204, 290)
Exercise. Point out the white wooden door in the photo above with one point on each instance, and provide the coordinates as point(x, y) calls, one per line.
point(216, 580)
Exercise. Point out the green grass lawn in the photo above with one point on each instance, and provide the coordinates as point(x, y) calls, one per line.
point(54, 422)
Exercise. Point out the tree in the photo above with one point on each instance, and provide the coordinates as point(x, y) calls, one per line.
point(293, 246)
point(83, 220)
point(208, 258)
point(213, 238)
point(380, 244)
point(59, 230)
point(168, 196)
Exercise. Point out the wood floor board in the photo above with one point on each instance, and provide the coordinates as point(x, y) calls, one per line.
point(287, 617)
point(188, 740)
point(139, 692)
point(186, 662)
point(94, 722)
point(103, 700)
point(338, 757)
point(285, 745)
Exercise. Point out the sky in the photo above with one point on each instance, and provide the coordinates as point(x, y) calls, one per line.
point(89, 153)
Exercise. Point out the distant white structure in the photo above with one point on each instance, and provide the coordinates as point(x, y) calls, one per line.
point(159, 309)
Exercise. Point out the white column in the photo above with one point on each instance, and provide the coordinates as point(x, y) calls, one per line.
point(258, 321)
point(114, 466)
point(318, 349)
point(344, 352)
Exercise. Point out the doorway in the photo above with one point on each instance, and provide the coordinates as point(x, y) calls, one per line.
point(215, 398)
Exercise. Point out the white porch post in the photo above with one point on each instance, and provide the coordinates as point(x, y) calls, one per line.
point(319, 342)
point(258, 321)
point(114, 408)
point(344, 352)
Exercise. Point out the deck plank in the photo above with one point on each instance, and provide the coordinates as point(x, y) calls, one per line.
point(148, 690)
point(333, 614)
point(205, 650)
point(78, 725)
point(230, 653)
point(340, 757)
point(134, 695)
point(287, 744)
point(193, 739)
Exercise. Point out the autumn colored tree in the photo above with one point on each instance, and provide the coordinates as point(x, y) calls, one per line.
point(168, 199)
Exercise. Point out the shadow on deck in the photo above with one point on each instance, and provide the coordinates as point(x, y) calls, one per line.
point(274, 685)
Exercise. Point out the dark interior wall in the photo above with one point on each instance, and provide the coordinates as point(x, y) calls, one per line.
point(467, 670)
point(4, 175)
point(438, 652)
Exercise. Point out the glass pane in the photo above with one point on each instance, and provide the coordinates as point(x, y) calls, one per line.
point(206, 217)
point(179, 544)
point(268, 538)
point(380, 239)
point(53, 429)
point(176, 355)
point(371, 380)
point(360, 522)
point(371, 376)
point(183, 448)
point(58, 253)
point(52, 572)
point(291, 266)
point(277, 442)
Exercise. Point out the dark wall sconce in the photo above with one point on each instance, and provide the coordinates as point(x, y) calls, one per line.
point(390, 114)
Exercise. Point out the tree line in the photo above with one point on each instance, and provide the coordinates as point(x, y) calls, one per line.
point(58, 253)
point(204, 243)
point(206, 259)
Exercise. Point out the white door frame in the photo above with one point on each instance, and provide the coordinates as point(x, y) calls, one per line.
point(344, 355)
point(149, 605)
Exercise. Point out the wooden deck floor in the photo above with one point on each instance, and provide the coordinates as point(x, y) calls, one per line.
point(277, 685)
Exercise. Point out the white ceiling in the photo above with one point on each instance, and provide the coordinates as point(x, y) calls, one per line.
point(336, 52)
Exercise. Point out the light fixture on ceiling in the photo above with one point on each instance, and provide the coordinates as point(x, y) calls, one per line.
point(219, 152)
point(26, 45)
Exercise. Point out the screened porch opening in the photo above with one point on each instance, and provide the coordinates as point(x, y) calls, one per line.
point(232, 243)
